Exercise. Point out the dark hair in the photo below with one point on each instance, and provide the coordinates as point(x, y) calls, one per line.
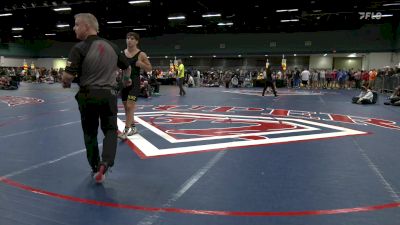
point(134, 35)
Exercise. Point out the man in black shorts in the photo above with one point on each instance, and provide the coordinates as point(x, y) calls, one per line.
point(137, 60)
point(94, 62)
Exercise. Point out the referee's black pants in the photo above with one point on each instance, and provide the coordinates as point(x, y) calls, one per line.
point(95, 104)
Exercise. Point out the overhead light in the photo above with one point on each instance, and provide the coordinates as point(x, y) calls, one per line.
point(317, 10)
point(139, 2)
point(211, 15)
point(50, 34)
point(352, 55)
point(17, 36)
point(265, 55)
point(191, 56)
point(166, 57)
point(17, 28)
point(214, 56)
point(325, 54)
point(225, 24)
point(195, 26)
point(293, 20)
point(294, 54)
point(287, 10)
point(62, 9)
point(239, 56)
point(139, 29)
point(176, 18)
point(112, 22)
point(391, 4)
point(62, 25)
point(6, 14)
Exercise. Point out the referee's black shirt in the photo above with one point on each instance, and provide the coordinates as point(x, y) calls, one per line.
point(95, 62)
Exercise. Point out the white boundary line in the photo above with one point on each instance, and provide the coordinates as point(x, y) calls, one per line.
point(149, 150)
point(153, 218)
point(35, 130)
point(171, 139)
point(43, 164)
point(378, 173)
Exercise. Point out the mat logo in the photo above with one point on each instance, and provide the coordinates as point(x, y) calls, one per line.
point(170, 133)
point(16, 100)
point(228, 126)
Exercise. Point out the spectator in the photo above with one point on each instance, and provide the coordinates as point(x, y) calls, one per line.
point(190, 81)
point(365, 97)
point(394, 99)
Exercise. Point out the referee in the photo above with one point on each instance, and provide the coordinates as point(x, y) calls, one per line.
point(94, 62)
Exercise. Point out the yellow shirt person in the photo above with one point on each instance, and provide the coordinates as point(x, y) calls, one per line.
point(181, 77)
point(181, 71)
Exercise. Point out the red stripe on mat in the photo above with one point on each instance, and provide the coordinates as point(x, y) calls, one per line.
point(197, 212)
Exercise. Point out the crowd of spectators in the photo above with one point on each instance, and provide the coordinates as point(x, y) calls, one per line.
point(35, 75)
point(375, 79)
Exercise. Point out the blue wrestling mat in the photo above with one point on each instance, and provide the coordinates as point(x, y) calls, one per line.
point(215, 156)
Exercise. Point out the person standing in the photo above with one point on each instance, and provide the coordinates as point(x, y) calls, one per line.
point(137, 60)
point(181, 77)
point(305, 76)
point(372, 78)
point(296, 78)
point(269, 82)
point(94, 61)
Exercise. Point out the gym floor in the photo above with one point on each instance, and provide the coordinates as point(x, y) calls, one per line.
point(215, 156)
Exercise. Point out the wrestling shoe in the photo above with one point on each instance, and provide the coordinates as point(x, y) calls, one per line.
point(100, 176)
point(127, 132)
point(132, 131)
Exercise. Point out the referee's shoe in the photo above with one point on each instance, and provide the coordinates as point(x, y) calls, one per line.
point(100, 176)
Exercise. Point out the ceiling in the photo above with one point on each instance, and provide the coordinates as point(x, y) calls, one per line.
point(38, 18)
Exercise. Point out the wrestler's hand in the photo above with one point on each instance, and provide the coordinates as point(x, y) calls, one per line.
point(67, 79)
